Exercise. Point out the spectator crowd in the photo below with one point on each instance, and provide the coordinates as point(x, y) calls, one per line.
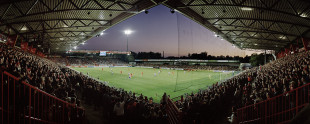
point(247, 88)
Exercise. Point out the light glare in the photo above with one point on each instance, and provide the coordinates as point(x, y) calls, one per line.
point(282, 37)
point(303, 15)
point(24, 28)
point(128, 32)
point(246, 8)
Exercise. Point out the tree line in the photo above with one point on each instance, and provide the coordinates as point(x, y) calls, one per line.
point(199, 56)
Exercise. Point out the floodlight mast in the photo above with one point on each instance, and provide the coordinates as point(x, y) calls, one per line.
point(127, 32)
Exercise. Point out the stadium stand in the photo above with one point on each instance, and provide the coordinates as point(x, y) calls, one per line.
point(31, 88)
point(39, 72)
point(273, 93)
point(58, 81)
point(279, 91)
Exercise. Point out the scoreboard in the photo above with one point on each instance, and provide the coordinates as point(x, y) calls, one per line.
point(103, 53)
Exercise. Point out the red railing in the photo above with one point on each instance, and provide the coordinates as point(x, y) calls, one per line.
point(24, 103)
point(277, 110)
point(174, 114)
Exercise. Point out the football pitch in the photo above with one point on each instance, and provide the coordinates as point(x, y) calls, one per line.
point(154, 82)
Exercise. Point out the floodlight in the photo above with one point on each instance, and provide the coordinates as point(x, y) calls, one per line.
point(127, 32)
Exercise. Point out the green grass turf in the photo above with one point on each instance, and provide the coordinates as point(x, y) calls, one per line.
point(174, 84)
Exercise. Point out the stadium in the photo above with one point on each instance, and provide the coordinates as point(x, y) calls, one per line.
point(50, 74)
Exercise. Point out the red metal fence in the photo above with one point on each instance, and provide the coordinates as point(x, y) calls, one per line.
point(23, 103)
point(277, 110)
point(174, 114)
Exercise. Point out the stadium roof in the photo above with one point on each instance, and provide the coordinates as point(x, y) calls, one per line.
point(249, 24)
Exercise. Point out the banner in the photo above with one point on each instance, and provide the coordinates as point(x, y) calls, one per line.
point(294, 48)
point(297, 45)
point(2, 37)
point(287, 51)
point(33, 50)
point(29, 48)
point(24, 46)
point(40, 54)
point(11, 40)
point(281, 54)
point(306, 43)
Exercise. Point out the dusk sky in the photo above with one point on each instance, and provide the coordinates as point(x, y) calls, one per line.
point(160, 30)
